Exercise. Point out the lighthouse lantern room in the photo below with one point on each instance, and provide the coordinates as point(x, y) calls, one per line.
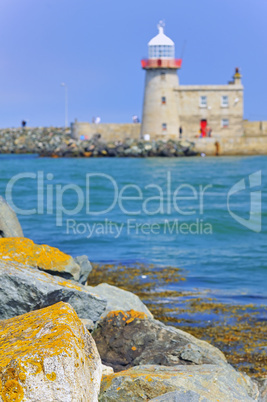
point(160, 115)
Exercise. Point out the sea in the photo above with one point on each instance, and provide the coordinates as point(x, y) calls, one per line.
point(205, 215)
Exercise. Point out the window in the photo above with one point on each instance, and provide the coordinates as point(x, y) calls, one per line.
point(225, 101)
point(161, 52)
point(163, 100)
point(225, 123)
point(203, 101)
point(164, 126)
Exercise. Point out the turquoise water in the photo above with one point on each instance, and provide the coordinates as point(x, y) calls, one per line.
point(216, 251)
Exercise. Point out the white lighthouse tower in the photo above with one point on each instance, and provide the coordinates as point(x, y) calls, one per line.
point(160, 115)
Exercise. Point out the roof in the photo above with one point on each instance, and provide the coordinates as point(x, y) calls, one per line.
point(161, 38)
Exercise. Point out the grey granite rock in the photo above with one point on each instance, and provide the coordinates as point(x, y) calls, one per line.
point(207, 382)
point(85, 266)
point(119, 299)
point(262, 385)
point(127, 339)
point(89, 324)
point(9, 223)
point(182, 395)
point(23, 289)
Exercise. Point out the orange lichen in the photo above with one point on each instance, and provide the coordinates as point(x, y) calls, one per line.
point(10, 374)
point(129, 316)
point(133, 348)
point(52, 376)
point(135, 315)
point(22, 376)
point(107, 380)
point(24, 251)
point(12, 392)
point(37, 366)
point(115, 313)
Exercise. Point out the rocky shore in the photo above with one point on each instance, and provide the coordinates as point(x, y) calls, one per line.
point(62, 339)
point(57, 142)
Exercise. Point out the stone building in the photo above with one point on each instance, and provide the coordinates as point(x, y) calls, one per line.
point(171, 110)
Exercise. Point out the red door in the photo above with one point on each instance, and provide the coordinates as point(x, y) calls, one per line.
point(203, 127)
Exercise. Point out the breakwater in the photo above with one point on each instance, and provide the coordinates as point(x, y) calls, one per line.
point(58, 142)
point(123, 140)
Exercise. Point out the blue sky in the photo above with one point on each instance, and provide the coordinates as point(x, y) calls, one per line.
point(95, 46)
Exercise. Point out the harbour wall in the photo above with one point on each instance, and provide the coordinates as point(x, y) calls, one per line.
point(49, 140)
point(253, 141)
point(246, 145)
point(108, 131)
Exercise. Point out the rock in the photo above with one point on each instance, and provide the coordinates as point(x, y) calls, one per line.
point(47, 355)
point(9, 223)
point(211, 383)
point(57, 142)
point(89, 324)
point(85, 267)
point(107, 370)
point(43, 257)
point(127, 339)
point(119, 299)
point(179, 396)
point(262, 385)
point(24, 289)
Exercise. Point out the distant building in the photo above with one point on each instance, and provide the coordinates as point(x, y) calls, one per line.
point(213, 113)
point(171, 110)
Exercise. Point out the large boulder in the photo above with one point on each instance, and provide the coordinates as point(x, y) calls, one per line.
point(23, 289)
point(205, 383)
point(9, 223)
point(43, 257)
point(119, 299)
point(48, 355)
point(127, 339)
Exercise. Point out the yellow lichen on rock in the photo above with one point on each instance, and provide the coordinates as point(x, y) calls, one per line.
point(127, 316)
point(12, 392)
point(39, 352)
point(22, 376)
point(26, 252)
point(208, 382)
point(52, 376)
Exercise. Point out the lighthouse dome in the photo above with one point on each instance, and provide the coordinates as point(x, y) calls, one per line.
point(161, 46)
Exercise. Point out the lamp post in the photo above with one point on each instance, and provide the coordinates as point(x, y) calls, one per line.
point(63, 84)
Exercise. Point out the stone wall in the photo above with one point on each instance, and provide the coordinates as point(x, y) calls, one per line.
point(108, 131)
point(45, 140)
point(255, 128)
point(254, 142)
point(246, 145)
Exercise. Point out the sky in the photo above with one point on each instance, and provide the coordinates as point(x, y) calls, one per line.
point(95, 47)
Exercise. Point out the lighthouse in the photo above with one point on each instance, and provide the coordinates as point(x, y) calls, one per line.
point(160, 116)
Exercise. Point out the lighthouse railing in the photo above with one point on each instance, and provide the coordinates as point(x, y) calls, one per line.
point(161, 63)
